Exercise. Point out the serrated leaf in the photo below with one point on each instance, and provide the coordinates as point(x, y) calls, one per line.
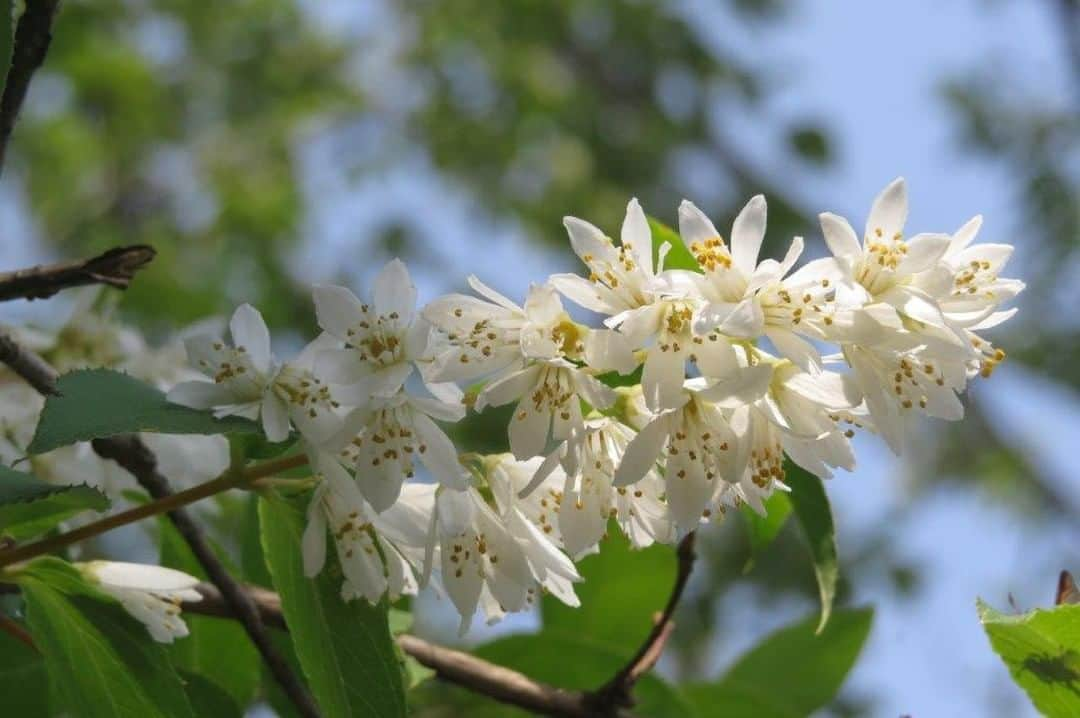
point(95, 403)
point(812, 666)
point(812, 509)
point(641, 580)
point(678, 257)
point(217, 649)
point(23, 682)
point(101, 661)
point(29, 506)
point(345, 649)
point(1042, 651)
point(762, 530)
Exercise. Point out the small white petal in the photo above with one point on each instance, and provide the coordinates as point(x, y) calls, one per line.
point(924, 250)
point(636, 234)
point(248, 330)
point(275, 418)
point(839, 235)
point(642, 452)
point(395, 293)
point(747, 235)
point(889, 211)
point(337, 309)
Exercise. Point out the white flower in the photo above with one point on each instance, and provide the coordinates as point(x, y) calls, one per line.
point(485, 561)
point(651, 310)
point(550, 396)
point(247, 382)
point(584, 497)
point(152, 594)
point(746, 299)
point(885, 265)
point(381, 340)
point(378, 553)
point(384, 440)
point(696, 443)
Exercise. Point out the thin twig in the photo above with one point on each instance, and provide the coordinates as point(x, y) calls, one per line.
point(115, 268)
point(130, 453)
point(32, 37)
point(9, 626)
point(34, 370)
point(618, 692)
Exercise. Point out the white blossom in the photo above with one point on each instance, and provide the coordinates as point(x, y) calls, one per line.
point(152, 594)
point(246, 381)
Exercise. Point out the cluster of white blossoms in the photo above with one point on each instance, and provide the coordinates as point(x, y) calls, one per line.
point(732, 379)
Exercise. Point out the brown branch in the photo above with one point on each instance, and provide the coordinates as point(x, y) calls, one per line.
point(34, 370)
point(618, 692)
point(32, 37)
point(130, 453)
point(9, 626)
point(115, 268)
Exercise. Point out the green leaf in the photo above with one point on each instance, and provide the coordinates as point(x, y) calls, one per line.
point(23, 682)
point(217, 649)
point(678, 257)
point(812, 665)
point(100, 660)
point(573, 663)
point(815, 516)
point(1042, 650)
point(622, 590)
point(345, 649)
point(762, 530)
point(29, 506)
point(95, 403)
point(208, 698)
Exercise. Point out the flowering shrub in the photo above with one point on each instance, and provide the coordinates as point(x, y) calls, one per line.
point(708, 370)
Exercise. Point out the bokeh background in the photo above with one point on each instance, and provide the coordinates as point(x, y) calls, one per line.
point(263, 145)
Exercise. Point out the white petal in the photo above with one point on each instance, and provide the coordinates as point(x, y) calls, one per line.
point(740, 387)
point(582, 292)
point(636, 234)
point(394, 292)
point(924, 250)
point(889, 211)
point(592, 390)
point(528, 430)
point(831, 390)
point(313, 542)
point(694, 226)
point(440, 456)
point(964, 236)
point(337, 309)
point(200, 394)
point(340, 366)
point(642, 452)
point(747, 235)
point(509, 388)
point(248, 330)
point(143, 577)
point(662, 378)
point(795, 348)
point(490, 294)
point(608, 350)
point(715, 359)
point(747, 320)
point(839, 235)
point(275, 418)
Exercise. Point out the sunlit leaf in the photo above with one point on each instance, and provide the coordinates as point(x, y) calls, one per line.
point(792, 673)
point(812, 509)
point(678, 257)
point(345, 648)
point(96, 403)
point(1042, 650)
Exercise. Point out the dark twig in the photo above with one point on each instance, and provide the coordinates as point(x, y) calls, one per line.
point(130, 453)
point(9, 626)
point(115, 268)
point(618, 692)
point(34, 370)
point(32, 37)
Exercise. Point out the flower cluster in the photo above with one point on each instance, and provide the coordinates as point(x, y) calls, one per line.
point(722, 376)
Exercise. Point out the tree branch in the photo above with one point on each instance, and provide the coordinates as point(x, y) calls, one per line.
point(130, 453)
point(115, 268)
point(34, 370)
point(618, 692)
point(32, 37)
